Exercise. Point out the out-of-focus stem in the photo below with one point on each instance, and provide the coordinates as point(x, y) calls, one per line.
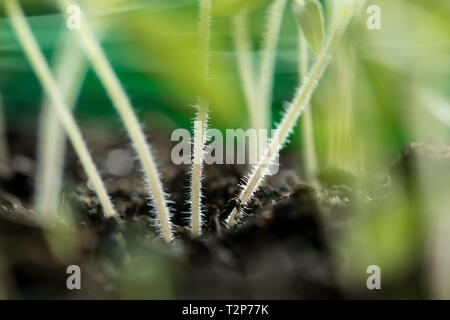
point(267, 64)
point(42, 70)
point(309, 150)
point(69, 69)
point(245, 65)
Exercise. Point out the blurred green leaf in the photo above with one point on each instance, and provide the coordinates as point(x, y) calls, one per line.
point(309, 16)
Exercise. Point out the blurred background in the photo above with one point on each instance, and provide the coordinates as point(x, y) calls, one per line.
point(381, 119)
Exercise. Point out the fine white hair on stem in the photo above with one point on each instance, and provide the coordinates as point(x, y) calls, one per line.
point(200, 129)
point(43, 72)
point(267, 63)
point(70, 69)
point(245, 64)
point(290, 117)
point(117, 94)
point(201, 122)
point(4, 150)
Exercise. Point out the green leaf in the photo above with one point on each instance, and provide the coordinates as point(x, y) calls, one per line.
point(309, 16)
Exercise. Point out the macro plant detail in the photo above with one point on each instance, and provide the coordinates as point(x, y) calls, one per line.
point(201, 121)
point(292, 113)
point(121, 102)
point(309, 17)
point(69, 69)
point(263, 149)
point(258, 86)
point(48, 82)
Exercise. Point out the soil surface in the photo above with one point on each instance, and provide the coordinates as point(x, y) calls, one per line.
point(279, 250)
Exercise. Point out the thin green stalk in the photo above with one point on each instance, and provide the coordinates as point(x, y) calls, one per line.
point(245, 64)
point(343, 141)
point(201, 122)
point(70, 70)
point(117, 94)
point(267, 64)
point(289, 120)
point(42, 70)
point(309, 150)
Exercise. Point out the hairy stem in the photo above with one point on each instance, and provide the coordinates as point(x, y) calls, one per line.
point(267, 64)
point(201, 121)
point(42, 70)
point(309, 151)
point(289, 120)
point(245, 64)
point(69, 69)
point(200, 127)
point(121, 102)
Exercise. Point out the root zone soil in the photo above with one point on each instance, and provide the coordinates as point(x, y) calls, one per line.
point(280, 250)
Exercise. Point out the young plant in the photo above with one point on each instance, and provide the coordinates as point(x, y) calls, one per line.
point(201, 122)
point(69, 69)
point(43, 72)
point(267, 63)
point(310, 19)
point(245, 64)
point(309, 150)
point(258, 90)
point(117, 94)
point(294, 110)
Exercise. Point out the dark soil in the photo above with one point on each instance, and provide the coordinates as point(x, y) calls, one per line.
point(280, 250)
